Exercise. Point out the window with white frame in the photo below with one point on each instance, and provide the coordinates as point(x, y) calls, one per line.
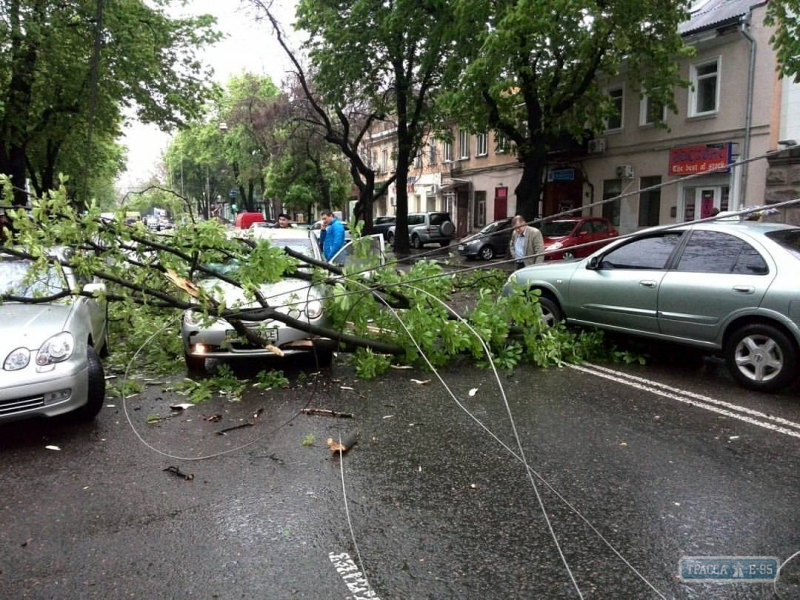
point(432, 153)
point(482, 144)
point(500, 143)
point(463, 144)
point(651, 111)
point(447, 153)
point(418, 160)
point(704, 93)
point(614, 122)
point(384, 160)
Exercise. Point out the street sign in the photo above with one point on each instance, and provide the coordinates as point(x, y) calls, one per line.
point(232, 194)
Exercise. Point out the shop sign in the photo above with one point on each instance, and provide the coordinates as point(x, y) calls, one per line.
point(556, 175)
point(711, 158)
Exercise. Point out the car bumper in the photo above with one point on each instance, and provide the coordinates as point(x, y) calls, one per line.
point(467, 250)
point(218, 341)
point(60, 391)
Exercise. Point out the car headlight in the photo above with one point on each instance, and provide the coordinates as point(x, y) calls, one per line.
point(313, 309)
point(556, 246)
point(55, 350)
point(18, 359)
point(190, 318)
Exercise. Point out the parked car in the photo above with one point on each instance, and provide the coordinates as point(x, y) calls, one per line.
point(562, 236)
point(726, 287)
point(49, 350)
point(489, 242)
point(216, 338)
point(382, 224)
point(427, 228)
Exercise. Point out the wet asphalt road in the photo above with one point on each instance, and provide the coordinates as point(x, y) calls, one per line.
point(439, 509)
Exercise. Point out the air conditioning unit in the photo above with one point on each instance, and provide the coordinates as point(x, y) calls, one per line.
point(597, 146)
point(625, 172)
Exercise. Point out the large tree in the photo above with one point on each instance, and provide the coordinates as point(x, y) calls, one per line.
point(391, 56)
point(533, 73)
point(68, 70)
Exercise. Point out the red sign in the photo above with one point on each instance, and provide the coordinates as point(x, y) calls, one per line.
point(700, 159)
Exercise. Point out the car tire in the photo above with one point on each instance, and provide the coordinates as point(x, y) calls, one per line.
point(486, 253)
point(551, 311)
point(416, 242)
point(195, 365)
point(568, 255)
point(324, 358)
point(447, 229)
point(390, 238)
point(444, 244)
point(761, 357)
point(96, 395)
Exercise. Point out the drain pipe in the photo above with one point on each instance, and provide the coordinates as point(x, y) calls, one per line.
point(748, 117)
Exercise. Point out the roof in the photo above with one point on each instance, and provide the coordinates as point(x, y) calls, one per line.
point(717, 13)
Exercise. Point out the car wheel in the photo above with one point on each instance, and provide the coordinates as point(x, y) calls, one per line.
point(486, 253)
point(416, 242)
point(569, 255)
point(96, 396)
point(761, 357)
point(390, 237)
point(196, 365)
point(551, 311)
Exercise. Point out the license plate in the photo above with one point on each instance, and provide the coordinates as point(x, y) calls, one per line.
point(270, 334)
point(461, 247)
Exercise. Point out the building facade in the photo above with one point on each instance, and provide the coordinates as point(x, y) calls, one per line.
point(735, 110)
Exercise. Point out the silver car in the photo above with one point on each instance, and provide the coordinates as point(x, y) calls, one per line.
point(728, 287)
point(49, 350)
point(204, 338)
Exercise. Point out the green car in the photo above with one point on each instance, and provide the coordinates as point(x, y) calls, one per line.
point(729, 287)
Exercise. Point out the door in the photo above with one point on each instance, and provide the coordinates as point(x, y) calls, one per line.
point(362, 254)
point(500, 203)
point(622, 291)
point(717, 276)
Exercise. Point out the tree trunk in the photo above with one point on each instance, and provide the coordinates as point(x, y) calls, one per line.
point(529, 189)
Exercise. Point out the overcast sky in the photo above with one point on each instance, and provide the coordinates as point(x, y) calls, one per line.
point(248, 46)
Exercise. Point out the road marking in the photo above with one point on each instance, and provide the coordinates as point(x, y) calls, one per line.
point(709, 404)
point(354, 579)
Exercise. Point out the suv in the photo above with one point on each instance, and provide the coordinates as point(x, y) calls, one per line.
point(427, 228)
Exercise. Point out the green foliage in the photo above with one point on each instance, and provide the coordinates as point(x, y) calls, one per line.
point(123, 389)
point(147, 63)
point(223, 383)
point(267, 380)
point(309, 440)
point(784, 16)
point(370, 365)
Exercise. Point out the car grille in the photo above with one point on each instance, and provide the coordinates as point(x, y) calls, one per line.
point(10, 407)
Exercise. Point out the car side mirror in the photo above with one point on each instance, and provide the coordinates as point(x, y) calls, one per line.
point(594, 263)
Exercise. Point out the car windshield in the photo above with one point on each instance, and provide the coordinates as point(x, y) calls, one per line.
point(17, 279)
point(788, 239)
point(301, 246)
point(558, 228)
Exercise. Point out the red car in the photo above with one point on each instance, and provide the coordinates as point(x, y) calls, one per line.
point(565, 234)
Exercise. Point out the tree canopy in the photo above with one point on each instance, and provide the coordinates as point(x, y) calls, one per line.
point(534, 71)
point(68, 68)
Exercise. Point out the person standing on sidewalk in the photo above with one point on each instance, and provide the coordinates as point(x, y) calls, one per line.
point(331, 238)
point(526, 246)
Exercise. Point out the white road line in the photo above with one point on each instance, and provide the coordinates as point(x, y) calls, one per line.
point(654, 390)
point(742, 409)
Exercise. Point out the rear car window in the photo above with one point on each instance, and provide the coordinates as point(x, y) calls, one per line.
point(788, 239)
point(439, 218)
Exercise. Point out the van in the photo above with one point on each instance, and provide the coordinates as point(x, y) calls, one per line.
point(246, 219)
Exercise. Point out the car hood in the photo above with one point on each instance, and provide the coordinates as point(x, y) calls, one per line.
point(30, 325)
point(552, 239)
point(474, 237)
point(279, 294)
point(562, 269)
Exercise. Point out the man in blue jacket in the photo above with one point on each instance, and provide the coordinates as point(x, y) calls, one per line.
point(331, 237)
